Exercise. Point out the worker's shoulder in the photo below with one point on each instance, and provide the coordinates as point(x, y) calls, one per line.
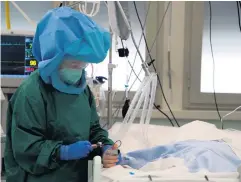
point(31, 87)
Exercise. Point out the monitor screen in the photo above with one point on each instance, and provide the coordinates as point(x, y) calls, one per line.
point(17, 59)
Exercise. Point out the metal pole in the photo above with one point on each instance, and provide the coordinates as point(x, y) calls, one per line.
point(110, 71)
point(7, 15)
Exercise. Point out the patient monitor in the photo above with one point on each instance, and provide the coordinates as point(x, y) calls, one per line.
point(17, 60)
point(17, 63)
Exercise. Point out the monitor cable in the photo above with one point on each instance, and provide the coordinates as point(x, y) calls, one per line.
point(210, 39)
point(152, 63)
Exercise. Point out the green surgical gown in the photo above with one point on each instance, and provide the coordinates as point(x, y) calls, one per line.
point(39, 120)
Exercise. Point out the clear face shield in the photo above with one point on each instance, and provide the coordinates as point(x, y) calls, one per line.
point(71, 71)
point(72, 64)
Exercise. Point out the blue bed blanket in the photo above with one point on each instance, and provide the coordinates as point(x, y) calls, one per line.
point(214, 156)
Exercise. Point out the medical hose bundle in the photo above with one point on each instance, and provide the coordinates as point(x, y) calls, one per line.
point(152, 63)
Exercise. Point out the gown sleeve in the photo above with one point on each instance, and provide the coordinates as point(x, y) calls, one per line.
point(30, 147)
point(97, 133)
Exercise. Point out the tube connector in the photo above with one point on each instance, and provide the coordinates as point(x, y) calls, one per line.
point(145, 68)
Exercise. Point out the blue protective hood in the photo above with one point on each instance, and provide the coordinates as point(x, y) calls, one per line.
point(64, 31)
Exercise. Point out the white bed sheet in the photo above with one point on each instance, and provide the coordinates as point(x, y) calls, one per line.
point(136, 139)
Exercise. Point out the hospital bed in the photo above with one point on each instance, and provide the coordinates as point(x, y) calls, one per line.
point(137, 138)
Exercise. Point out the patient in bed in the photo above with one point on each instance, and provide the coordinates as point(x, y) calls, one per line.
point(213, 156)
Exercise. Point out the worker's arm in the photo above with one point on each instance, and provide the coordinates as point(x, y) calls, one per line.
point(97, 134)
point(32, 151)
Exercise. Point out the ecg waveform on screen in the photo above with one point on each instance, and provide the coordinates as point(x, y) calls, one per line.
point(11, 44)
point(17, 56)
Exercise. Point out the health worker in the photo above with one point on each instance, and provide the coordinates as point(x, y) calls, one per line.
point(52, 122)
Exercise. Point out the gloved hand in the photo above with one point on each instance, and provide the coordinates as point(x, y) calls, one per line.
point(78, 150)
point(110, 160)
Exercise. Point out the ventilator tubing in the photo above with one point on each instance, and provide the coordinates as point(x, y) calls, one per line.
point(144, 96)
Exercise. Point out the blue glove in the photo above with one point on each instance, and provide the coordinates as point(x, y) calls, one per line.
point(75, 151)
point(108, 147)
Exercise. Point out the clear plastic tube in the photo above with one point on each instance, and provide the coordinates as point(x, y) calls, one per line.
point(134, 112)
point(136, 97)
point(142, 96)
point(102, 101)
point(95, 8)
point(140, 99)
point(144, 109)
point(153, 94)
point(119, 134)
point(150, 108)
point(144, 114)
point(228, 115)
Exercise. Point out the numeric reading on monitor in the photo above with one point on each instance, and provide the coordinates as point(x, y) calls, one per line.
point(17, 56)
